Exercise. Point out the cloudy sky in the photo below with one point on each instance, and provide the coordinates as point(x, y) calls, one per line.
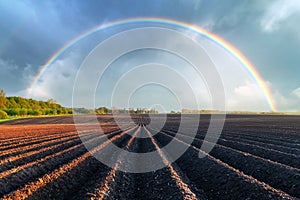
point(266, 32)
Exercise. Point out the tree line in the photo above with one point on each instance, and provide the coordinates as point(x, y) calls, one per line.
point(19, 106)
point(105, 110)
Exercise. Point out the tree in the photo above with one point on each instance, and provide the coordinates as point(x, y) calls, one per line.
point(3, 114)
point(2, 98)
point(52, 104)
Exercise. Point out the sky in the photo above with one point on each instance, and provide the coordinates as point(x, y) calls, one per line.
point(266, 32)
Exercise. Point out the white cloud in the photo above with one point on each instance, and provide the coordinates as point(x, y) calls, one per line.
point(247, 97)
point(296, 92)
point(249, 90)
point(242, 92)
point(57, 81)
point(288, 102)
point(284, 102)
point(278, 12)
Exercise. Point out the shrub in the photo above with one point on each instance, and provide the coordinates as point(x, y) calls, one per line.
point(37, 112)
point(47, 112)
point(23, 112)
point(3, 114)
point(12, 112)
point(30, 112)
point(34, 112)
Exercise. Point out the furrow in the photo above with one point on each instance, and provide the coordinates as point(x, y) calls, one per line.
point(32, 187)
point(36, 141)
point(263, 169)
point(230, 182)
point(105, 186)
point(281, 148)
point(25, 149)
point(269, 140)
point(31, 156)
point(185, 190)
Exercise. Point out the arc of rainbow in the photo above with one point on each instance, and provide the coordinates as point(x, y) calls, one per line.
point(213, 37)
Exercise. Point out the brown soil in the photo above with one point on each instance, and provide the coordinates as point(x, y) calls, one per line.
point(256, 157)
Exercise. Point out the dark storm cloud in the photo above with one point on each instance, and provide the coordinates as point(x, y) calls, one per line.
point(265, 31)
point(33, 30)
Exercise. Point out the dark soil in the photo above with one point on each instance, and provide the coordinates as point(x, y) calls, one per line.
point(256, 157)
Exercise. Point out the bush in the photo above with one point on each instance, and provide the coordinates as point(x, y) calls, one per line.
point(23, 112)
point(3, 114)
point(30, 112)
point(34, 112)
point(12, 112)
point(38, 112)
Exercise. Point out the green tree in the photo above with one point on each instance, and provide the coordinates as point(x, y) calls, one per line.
point(22, 106)
point(52, 104)
point(3, 114)
point(12, 112)
point(2, 98)
point(23, 112)
point(102, 110)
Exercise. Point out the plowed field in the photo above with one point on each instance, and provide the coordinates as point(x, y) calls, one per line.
point(256, 157)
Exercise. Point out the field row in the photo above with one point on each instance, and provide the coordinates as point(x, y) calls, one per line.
point(58, 165)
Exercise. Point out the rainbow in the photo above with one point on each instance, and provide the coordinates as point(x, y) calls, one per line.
point(213, 37)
